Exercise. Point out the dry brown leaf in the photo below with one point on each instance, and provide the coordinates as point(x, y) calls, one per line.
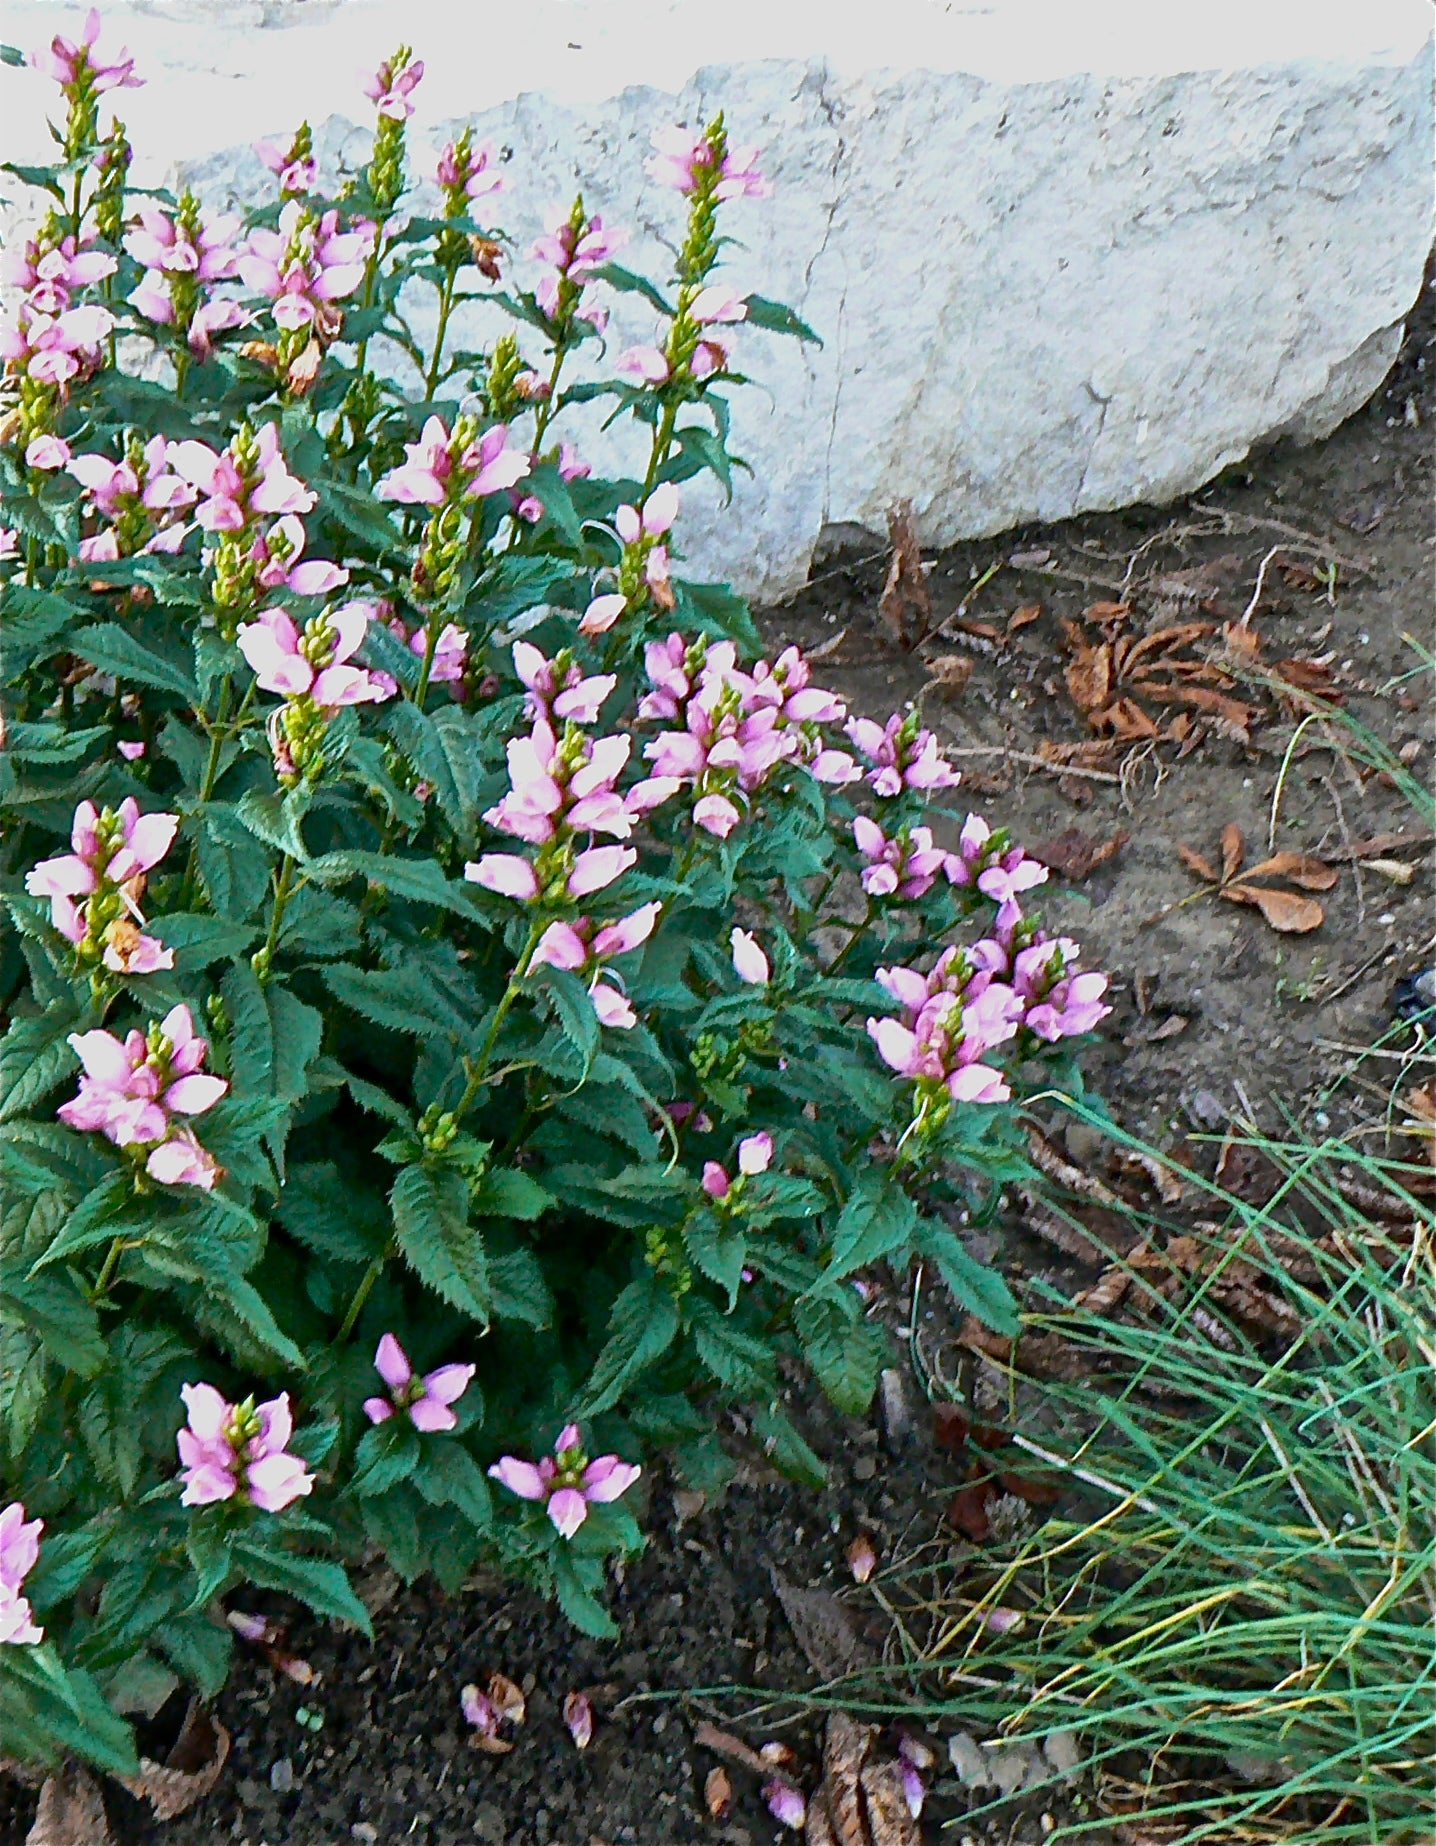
point(718, 1793)
point(819, 1830)
point(1071, 1239)
point(1057, 1166)
point(827, 649)
point(823, 1629)
point(1169, 1187)
point(967, 1510)
point(1311, 874)
point(189, 1771)
point(507, 1698)
point(71, 1811)
point(949, 673)
point(1105, 1292)
point(305, 369)
point(1023, 618)
point(1074, 855)
point(846, 1744)
point(1377, 846)
point(1283, 910)
point(889, 1821)
point(1194, 862)
point(906, 603)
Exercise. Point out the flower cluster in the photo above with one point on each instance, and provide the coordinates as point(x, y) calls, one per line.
point(56, 340)
point(567, 1482)
point(182, 253)
point(133, 1088)
point(687, 161)
point(19, 1550)
point(425, 1401)
point(96, 887)
point(584, 947)
point(737, 727)
point(902, 755)
point(294, 165)
point(140, 498)
point(311, 668)
point(239, 1451)
point(574, 247)
point(306, 267)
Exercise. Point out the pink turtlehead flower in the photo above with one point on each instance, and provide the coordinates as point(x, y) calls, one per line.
point(47, 454)
point(230, 1451)
point(581, 948)
point(717, 303)
point(646, 363)
point(69, 61)
point(681, 155)
point(786, 1804)
point(9, 544)
point(512, 876)
point(984, 859)
point(572, 784)
point(1061, 1003)
point(786, 685)
point(297, 173)
point(278, 552)
point(111, 851)
point(131, 1088)
point(947, 1040)
point(568, 695)
point(750, 964)
point(902, 755)
point(131, 749)
point(424, 1400)
point(56, 349)
point(574, 257)
point(312, 664)
point(666, 665)
point(433, 474)
point(660, 510)
point(571, 465)
point(234, 495)
point(602, 613)
point(390, 89)
point(755, 1155)
point(113, 487)
point(451, 650)
point(905, 867)
point(177, 255)
point(50, 275)
point(567, 1481)
point(476, 176)
point(306, 265)
point(19, 1551)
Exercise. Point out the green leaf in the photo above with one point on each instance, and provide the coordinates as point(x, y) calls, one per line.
point(571, 1007)
point(791, 1455)
point(53, 1305)
point(35, 1057)
point(773, 317)
point(400, 999)
point(974, 1286)
point(323, 1586)
point(845, 1351)
point(738, 1361)
point(319, 1208)
point(641, 1327)
point(576, 1596)
point(627, 283)
point(112, 649)
point(275, 820)
point(450, 1476)
point(232, 863)
point(719, 1250)
point(518, 1289)
point(444, 1250)
point(878, 1219)
point(419, 879)
point(93, 1220)
point(387, 1453)
point(508, 1193)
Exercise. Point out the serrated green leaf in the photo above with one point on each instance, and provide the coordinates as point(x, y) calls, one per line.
point(974, 1286)
point(642, 1326)
point(275, 819)
point(518, 1289)
point(773, 317)
point(574, 1588)
point(387, 1453)
point(736, 1359)
point(845, 1351)
point(321, 1585)
point(449, 1476)
point(112, 649)
point(505, 1192)
point(431, 1225)
point(790, 1454)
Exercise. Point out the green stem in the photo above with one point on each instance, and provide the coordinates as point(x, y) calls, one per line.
point(282, 887)
point(544, 415)
point(108, 1268)
point(361, 1294)
point(501, 1013)
point(446, 308)
point(662, 443)
point(432, 630)
point(843, 953)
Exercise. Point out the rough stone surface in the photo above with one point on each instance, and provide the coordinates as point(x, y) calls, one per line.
point(1062, 258)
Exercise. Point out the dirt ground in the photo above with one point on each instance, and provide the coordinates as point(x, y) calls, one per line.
point(1214, 1009)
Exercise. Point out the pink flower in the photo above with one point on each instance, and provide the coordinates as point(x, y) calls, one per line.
point(306, 265)
point(470, 171)
point(786, 1804)
point(434, 474)
point(132, 1087)
point(755, 1154)
point(985, 859)
point(660, 510)
point(298, 171)
point(9, 544)
point(391, 88)
point(576, 251)
point(130, 749)
point(560, 690)
point(1060, 1002)
point(69, 62)
point(312, 664)
point(683, 155)
point(716, 814)
point(19, 1550)
point(505, 873)
point(750, 964)
point(46, 454)
point(571, 465)
point(578, 1716)
point(567, 1481)
point(248, 477)
point(278, 551)
point(426, 1399)
point(946, 1040)
point(57, 349)
point(717, 303)
point(902, 755)
point(906, 866)
point(715, 1181)
point(597, 868)
point(49, 274)
point(111, 851)
point(239, 1451)
point(601, 614)
point(646, 363)
point(580, 948)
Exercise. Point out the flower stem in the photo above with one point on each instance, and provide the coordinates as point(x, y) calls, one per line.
point(446, 308)
point(108, 1268)
point(282, 887)
point(501, 1013)
point(361, 1294)
point(662, 443)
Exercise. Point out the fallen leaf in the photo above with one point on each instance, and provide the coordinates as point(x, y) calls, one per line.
point(967, 1510)
point(820, 1823)
point(1056, 1166)
point(1074, 855)
point(1394, 871)
point(190, 1769)
point(1023, 618)
point(1106, 1292)
point(890, 1822)
point(830, 647)
point(1283, 910)
point(906, 603)
point(724, 1743)
point(71, 1811)
point(823, 1629)
point(845, 1748)
point(718, 1793)
point(507, 1698)
point(1169, 1187)
point(862, 1558)
point(1036, 1492)
point(1059, 1231)
point(951, 1426)
point(949, 673)
point(1126, 686)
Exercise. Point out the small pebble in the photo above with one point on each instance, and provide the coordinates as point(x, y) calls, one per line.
point(864, 1468)
point(365, 1832)
point(281, 1776)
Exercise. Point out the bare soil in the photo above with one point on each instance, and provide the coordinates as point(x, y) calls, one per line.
point(1259, 1017)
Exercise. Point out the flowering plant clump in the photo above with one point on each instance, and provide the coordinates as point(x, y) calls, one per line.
point(470, 1017)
